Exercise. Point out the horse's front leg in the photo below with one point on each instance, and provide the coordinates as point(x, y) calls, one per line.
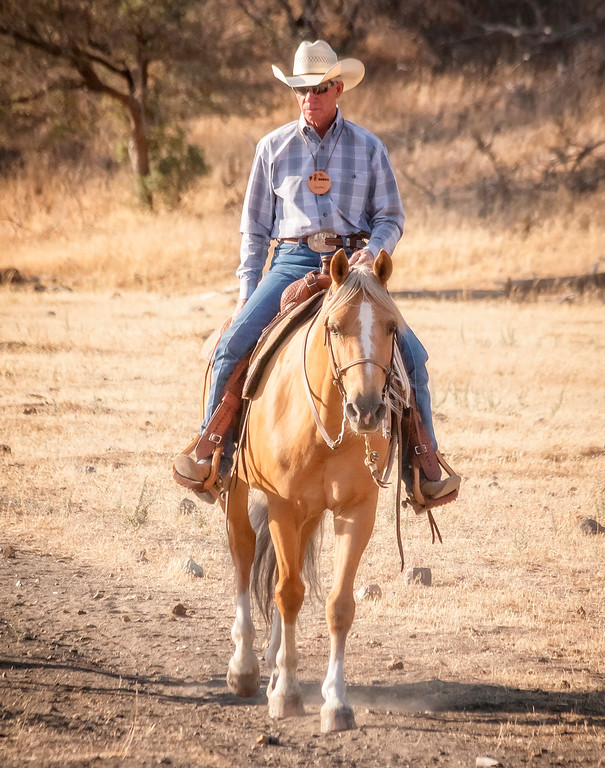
point(272, 651)
point(243, 675)
point(352, 530)
point(284, 694)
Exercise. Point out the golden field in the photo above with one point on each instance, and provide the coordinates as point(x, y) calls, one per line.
point(501, 177)
point(99, 392)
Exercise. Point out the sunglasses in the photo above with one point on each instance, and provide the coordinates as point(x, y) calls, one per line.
point(316, 90)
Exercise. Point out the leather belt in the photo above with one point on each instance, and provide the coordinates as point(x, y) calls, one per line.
point(325, 242)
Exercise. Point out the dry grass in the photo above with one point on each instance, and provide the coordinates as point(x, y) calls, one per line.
point(98, 393)
point(488, 170)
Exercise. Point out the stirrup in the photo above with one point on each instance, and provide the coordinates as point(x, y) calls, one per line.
point(212, 481)
point(418, 501)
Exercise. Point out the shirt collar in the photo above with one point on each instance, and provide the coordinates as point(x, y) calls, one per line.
point(310, 132)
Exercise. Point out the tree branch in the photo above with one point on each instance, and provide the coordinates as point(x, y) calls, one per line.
point(59, 85)
point(79, 58)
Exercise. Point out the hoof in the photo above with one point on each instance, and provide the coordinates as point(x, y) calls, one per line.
point(243, 685)
point(286, 706)
point(341, 719)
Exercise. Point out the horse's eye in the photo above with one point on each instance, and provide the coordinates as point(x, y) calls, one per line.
point(334, 329)
point(391, 328)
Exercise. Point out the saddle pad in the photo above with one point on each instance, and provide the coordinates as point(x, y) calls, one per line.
point(278, 330)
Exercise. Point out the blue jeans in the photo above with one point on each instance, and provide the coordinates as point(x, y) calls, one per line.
point(290, 262)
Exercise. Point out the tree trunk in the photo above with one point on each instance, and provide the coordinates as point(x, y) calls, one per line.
point(139, 151)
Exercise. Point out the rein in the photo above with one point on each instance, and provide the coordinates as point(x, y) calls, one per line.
point(333, 444)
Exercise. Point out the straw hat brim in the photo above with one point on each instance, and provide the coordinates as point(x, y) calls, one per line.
point(351, 71)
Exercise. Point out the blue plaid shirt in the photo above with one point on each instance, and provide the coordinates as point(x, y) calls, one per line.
point(363, 196)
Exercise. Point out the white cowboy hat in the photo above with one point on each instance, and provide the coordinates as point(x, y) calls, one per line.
point(316, 63)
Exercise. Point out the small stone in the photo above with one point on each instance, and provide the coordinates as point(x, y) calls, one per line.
point(591, 527)
point(418, 576)
point(126, 618)
point(396, 665)
point(265, 740)
point(191, 567)
point(487, 762)
point(98, 595)
point(142, 556)
point(369, 592)
point(9, 552)
point(187, 507)
point(179, 610)
point(6, 449)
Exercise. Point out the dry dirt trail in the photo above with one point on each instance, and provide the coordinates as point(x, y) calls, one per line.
point(97, 670)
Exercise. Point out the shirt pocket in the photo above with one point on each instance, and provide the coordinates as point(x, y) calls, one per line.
point(350, 194)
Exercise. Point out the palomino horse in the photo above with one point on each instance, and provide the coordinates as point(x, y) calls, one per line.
point(289, 455)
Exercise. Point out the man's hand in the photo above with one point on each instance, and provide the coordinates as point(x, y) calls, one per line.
point(364, 256)
point(238, 308)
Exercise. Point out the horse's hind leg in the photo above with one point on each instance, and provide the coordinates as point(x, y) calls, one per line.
point(352, 532)
point(243, 675)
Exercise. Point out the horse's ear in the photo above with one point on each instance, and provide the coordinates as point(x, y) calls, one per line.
point(383, 267)
point(339, 267)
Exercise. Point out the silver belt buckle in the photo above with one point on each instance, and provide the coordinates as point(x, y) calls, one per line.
point(317, 242)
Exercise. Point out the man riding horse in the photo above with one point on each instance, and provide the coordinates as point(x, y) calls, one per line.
point(317, 184)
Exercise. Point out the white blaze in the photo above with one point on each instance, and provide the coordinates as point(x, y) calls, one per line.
point(366, 320)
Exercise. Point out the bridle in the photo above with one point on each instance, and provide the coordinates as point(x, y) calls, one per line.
point(339, 370)
point(337, 379)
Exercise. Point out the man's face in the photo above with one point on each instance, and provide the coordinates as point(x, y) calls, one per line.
point(319, 110)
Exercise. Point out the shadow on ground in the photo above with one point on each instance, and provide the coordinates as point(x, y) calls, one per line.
point(425, 696)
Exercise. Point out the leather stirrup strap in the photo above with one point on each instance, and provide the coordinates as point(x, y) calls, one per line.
point(225, 412)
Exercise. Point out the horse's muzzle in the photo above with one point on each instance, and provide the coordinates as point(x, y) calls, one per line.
point(365, 414)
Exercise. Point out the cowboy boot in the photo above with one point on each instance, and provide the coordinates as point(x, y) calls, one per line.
point(423, 464)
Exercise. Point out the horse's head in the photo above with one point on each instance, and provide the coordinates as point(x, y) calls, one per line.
point(361, 322)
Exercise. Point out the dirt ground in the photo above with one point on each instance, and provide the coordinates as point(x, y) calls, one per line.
point(97, 670)
point(98, 666)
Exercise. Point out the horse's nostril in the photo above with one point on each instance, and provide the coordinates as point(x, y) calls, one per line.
point(351, 412)
point(381, 412)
